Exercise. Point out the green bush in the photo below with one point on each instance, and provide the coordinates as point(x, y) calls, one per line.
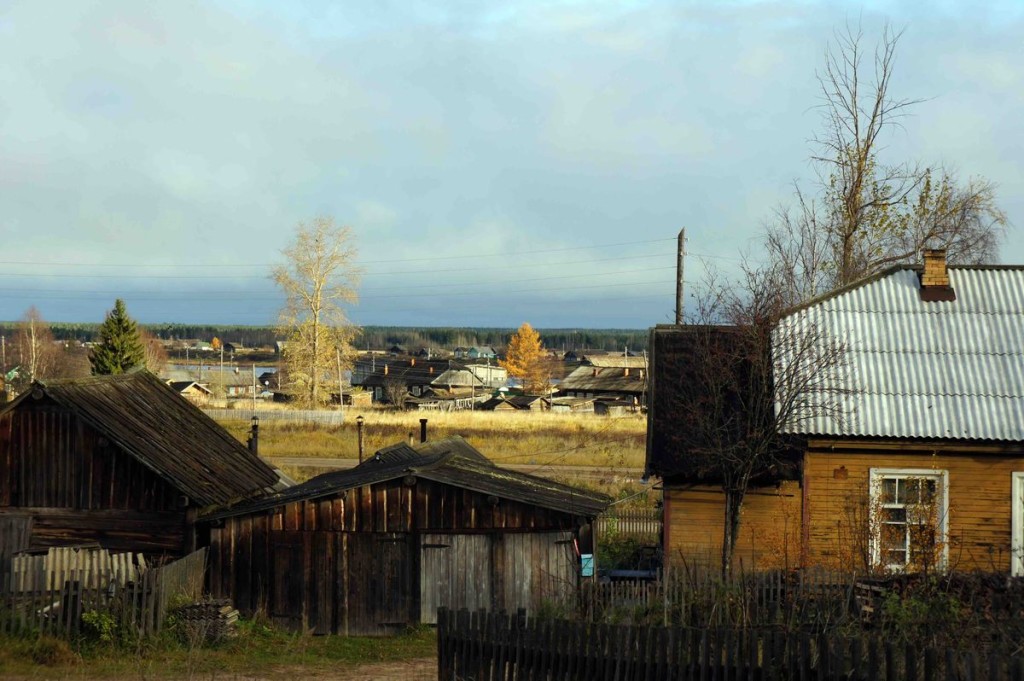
point(99, 627)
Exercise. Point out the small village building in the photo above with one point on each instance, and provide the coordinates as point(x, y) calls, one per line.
point(380, 547)
point(614, 377)
point(572, 405)
point(503, 402)
point(432, 384)
point(123, 462)
point(196, 393)
point(922, 464)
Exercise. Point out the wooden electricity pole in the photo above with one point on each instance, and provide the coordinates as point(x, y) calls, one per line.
point(680, 256)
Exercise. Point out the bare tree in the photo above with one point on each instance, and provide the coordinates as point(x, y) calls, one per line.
point(319, 276)
point(870, 213)
point(155, 353)
point(34, 347)
point(748, 368)
point(395, 391)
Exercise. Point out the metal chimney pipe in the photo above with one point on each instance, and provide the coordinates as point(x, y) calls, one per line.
point(254, 436)
point(359, 430)
point(423, 430)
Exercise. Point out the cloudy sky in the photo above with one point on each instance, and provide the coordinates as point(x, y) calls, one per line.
point(497, 162)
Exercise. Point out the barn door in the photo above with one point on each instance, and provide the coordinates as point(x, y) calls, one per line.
point(380, 588)
point(288, 602)
point(455, 572)
point(1017, 525)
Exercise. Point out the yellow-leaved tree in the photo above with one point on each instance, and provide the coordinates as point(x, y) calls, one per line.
point(524, 359)
point(319, 276)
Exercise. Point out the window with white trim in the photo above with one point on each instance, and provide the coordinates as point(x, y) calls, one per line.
point(909, 508)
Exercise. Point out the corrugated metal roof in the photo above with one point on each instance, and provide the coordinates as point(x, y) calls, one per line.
point(150, 421)
point(916, 369)
point(450, 461)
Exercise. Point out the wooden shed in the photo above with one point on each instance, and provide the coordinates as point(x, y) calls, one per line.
point(379, 547)
point(120, 461)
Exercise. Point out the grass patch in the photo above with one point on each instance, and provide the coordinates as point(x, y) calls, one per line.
point(258, 650)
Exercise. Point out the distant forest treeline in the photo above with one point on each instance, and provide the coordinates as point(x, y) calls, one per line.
point(375, 337)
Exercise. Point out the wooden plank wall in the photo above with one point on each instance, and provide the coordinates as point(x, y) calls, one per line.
point(769, 535)
point(15, 536)
point(979, 502)
point(78, 487)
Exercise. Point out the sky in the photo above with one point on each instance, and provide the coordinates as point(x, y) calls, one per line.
point(496, 162)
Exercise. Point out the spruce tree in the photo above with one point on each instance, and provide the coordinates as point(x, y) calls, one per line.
point(119, 347)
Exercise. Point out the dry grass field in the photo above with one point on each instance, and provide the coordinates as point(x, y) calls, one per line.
point(613, 447)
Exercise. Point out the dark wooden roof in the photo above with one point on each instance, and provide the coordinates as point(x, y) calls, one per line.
point(589, 378)
point(514, 401)
point(182, 386)
point(417, 372)
point(451, 461)
point(153, 423)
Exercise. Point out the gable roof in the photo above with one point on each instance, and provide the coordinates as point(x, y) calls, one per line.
point(916, 369)
point(450, 461)
point(514, 401)
point(150, 421)
point(617, 360)
point(182, 386)
point(592, 378)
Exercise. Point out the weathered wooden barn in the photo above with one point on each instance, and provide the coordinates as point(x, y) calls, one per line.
point(376, 548)
point(122, 461)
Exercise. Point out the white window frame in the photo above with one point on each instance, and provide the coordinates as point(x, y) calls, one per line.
point(942, 531)
point(1016, 524)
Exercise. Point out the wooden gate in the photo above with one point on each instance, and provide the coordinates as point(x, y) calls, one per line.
point(455, 573)
point(500, 571)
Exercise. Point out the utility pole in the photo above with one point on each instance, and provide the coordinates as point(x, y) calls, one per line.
point(254, 389)
point(341, 389)
point(680, 256)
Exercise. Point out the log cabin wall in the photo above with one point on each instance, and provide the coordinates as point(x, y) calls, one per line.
point(769, 532)
point(837, 474)
point(77, 487)
point(351, 563)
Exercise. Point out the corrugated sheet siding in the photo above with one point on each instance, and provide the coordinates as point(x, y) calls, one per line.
point(923, 369)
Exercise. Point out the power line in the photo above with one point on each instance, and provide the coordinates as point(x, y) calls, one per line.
point(506, 254)
point(261, 297)
point(208, 293)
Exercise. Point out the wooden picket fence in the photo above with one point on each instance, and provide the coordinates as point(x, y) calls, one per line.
point(643, 524)
point(699, 597)
point(498, 647)
point(50, 593)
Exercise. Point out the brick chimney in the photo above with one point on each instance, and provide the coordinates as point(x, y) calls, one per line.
point(935, 277)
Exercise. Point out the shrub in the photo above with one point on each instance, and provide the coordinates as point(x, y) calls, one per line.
point(52, 652)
